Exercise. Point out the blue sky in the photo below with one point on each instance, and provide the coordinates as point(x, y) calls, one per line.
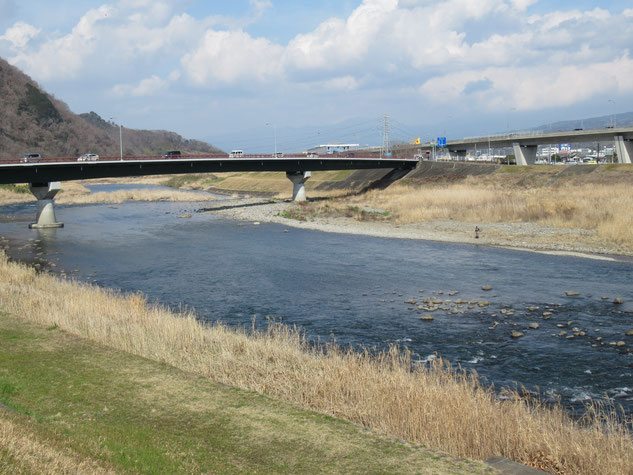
point(222, 70)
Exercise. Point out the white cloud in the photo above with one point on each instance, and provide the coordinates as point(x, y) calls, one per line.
point(146, 87)
point(226, 57)
point(20, 34)
point(536, 87)
point(64, 57)
point(343, 83)
point(493, 53)
point(337, 42)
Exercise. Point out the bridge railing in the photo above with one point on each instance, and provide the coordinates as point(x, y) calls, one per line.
point(196, 156)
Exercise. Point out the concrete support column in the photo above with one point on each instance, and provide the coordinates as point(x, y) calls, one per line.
point(524, 154)
point(624, 149)
point(461, 154)
point(45, 192)
point(298, 180)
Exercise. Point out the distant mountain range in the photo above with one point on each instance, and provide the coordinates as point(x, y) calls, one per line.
point(621, 120)
point(34, 121)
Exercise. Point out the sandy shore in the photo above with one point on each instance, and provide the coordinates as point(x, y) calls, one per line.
point(520, 236)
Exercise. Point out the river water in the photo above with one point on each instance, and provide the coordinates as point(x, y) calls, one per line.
point(354, 288)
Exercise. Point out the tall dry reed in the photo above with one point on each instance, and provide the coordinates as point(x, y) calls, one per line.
point(605, 208)
point(436, 406)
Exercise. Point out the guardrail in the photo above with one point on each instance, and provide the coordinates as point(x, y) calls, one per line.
point(190, 157)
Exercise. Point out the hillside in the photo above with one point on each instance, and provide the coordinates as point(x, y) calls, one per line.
point(34, 121)
point(621, 120)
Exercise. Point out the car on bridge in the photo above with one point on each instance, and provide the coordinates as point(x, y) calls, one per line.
point(31, 158)
point(88, 157)
point(172, 154)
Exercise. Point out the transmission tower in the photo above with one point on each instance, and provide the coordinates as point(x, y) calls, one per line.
point(385, 135)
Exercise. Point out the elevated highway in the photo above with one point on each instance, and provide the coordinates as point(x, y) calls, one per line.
point(525, 145)
point(45, 176)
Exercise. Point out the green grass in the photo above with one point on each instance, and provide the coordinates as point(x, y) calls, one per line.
point(528, 169)
point(16, 188)
point(293, 214)
point(620, 167)
point(129, 414)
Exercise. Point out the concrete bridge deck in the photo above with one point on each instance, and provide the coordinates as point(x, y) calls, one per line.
point(45, 176)
point(51, 170)
point(525, 144)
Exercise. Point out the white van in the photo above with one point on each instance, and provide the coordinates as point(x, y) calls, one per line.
point(236, 153)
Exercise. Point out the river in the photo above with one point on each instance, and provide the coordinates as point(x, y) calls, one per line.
point(353, 288)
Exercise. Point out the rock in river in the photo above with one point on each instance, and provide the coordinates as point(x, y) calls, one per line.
point(426, 318)
point(516, 334)
point(534, 325)
point(486, 287)
point(571, 293)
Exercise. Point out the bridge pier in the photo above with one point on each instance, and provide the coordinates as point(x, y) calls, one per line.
point(298, 180)
point(624, 149)
point(45, 192)
point(524, 154)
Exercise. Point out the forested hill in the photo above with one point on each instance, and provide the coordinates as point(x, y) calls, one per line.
point(33, 121)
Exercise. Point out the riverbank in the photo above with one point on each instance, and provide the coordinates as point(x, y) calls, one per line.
point(429, 404)
point(520, 236)
point(70, 406)
point(574, 210)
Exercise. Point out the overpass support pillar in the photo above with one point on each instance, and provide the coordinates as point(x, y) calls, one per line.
point(45, 192)
point(524, 154)
point(298, 180)
point(461, 155)
point(624, 149)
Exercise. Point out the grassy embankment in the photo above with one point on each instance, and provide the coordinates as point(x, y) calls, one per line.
point(434, 406)
point(70, 406)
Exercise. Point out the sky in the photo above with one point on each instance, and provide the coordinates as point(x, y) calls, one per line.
point(245, 73)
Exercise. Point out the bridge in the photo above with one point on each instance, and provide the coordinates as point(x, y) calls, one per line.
point(525, 145)
point(45, 176)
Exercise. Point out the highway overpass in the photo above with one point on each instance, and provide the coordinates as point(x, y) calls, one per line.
point(525, 144)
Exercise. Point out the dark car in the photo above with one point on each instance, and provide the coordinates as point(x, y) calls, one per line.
point(172, 154)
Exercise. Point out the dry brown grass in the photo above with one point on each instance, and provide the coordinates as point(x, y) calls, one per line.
point(436, 406)
point(20, 450)
point(607, 209)
point(76, 193)
point(277, 183)
point(121, 196)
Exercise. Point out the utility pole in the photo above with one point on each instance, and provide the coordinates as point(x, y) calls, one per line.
point(120, 137)
point(385, 136)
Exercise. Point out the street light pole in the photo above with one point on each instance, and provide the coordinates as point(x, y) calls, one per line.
point(614, 113)
point(120, 137)
point(508, 121)
point(275, 133)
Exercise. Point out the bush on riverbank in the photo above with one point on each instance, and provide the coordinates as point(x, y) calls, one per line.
point(436, 406)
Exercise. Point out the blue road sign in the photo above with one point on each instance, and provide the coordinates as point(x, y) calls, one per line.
point(441, 141)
